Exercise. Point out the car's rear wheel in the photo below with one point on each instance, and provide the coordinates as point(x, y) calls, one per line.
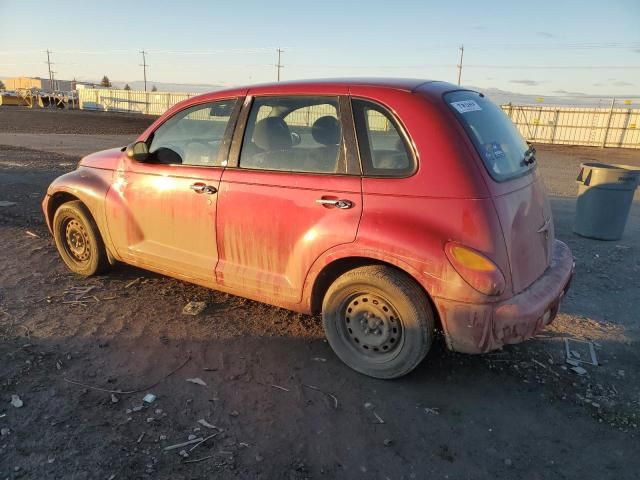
point(378, 321)
point(78, 239)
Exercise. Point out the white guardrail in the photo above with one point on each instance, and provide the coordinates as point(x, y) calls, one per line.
point(590, 126)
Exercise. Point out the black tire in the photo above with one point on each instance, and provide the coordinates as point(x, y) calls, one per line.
point(378, 321)
point(78, 239)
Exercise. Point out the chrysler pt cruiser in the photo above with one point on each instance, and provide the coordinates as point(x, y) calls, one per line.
point(392, 207)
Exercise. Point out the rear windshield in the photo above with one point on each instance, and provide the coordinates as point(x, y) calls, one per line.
point(503, 150)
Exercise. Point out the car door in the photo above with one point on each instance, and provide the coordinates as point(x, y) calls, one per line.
point(293, 192)
point(161, 213)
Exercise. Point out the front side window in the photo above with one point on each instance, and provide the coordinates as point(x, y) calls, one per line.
point(383, 149)
point(192, 136)
point(503, 150)
point(293, 134)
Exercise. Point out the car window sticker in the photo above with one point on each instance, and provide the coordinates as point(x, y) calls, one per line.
point(494, 154)
point(464, 106)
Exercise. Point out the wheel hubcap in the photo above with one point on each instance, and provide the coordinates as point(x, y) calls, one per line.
point(372, 325)
point(77, 241)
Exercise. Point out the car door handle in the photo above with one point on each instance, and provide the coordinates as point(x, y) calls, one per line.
point(200, 187)
point(335, 203)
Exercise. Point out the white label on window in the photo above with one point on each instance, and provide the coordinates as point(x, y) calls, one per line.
point(466, 106)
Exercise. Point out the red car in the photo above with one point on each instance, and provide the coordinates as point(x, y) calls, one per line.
point(393, 207)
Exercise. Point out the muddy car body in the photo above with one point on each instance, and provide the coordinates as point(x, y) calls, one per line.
point(391, 206)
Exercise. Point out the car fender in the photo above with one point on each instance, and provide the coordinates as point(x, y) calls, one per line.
point(355, 251)
point(90, 186)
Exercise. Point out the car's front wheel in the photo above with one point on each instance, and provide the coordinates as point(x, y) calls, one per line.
point(78, 240)
point(378, 321)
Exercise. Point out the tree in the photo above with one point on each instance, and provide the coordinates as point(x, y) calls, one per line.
point(105, 82)
point(127, 87)
point(154, 89)
point(2, 87)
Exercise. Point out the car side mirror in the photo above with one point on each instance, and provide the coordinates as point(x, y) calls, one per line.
point(138, 151)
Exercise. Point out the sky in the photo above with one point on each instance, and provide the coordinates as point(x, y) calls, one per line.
point(545, 47)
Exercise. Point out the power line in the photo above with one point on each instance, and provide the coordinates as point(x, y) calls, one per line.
point(234, 51)
point(144, 68)
point(562, 67)
point(556, 46)
point(257, 50)
point(541, 46)
point(358, 67)
point(427, 66)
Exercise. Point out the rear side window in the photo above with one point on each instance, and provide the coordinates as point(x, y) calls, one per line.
point(294, 134)
point(383, 149)
point(503, 150)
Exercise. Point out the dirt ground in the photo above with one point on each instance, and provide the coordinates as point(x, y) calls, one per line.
point(277, 403)
point(21, 120)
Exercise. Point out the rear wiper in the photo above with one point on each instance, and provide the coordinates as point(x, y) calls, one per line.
point(529, 156)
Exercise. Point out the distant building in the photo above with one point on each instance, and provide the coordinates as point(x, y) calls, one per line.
point(83, 85)
point(38, 83)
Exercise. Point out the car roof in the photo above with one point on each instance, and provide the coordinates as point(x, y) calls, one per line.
point(408, 84)
point(405, 84)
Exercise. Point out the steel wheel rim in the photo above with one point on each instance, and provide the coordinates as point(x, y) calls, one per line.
point(76, 240)
point(371, 326)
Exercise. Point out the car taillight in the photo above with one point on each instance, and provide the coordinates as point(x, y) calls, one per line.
point(476, 269)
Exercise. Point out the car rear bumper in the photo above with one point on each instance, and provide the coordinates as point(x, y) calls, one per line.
point(478, 328)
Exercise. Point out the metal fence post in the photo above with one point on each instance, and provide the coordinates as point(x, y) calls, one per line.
point(606, 130)
point(555, 125)
point(526, 121)
point(625, 128)
point(536, 123)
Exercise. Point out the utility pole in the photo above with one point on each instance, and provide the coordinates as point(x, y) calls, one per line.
point(460, 64)
point(144, 68)
point(279, 65)
point(50, 72)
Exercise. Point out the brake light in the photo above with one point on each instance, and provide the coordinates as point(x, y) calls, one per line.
point(475, 269)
